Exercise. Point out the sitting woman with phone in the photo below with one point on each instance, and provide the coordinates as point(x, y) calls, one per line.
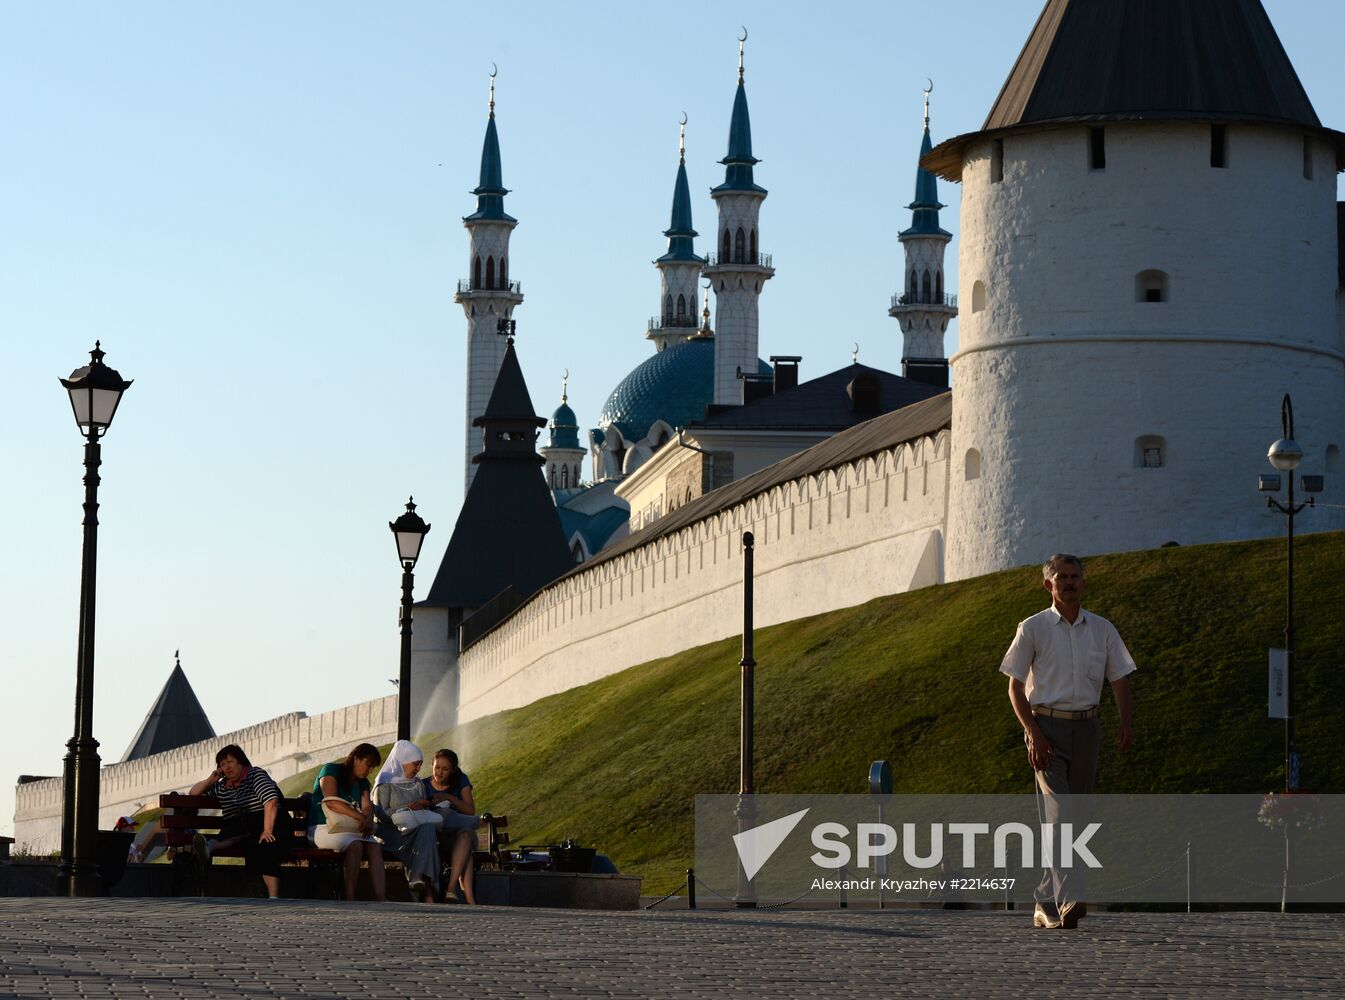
point(341, 817)
point(449, 790)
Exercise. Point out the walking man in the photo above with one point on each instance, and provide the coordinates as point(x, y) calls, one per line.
point(1056, 665)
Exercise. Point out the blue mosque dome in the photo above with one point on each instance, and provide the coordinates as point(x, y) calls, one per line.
point(674, 385)
point(564, 427)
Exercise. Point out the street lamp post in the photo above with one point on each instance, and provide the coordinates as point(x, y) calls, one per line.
point(410, 531)
point(746, 896)
point(95, 390)
point(1285, 455)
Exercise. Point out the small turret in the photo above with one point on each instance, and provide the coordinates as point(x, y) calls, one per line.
point(562, 457)
point(680, 267)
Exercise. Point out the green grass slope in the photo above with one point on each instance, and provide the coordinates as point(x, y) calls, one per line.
point(914, 679)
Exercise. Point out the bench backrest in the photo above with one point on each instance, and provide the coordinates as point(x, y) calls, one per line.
point(185, 815)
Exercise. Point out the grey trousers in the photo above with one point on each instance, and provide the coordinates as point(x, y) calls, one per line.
point(1071, 772)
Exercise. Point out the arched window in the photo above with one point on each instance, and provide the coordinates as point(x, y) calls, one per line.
point(1151, 452)
point(504, 272)
point(476, 272)
point(977, 296)
point(971, 464)
point(552, 478)
point(754, 246)
point(490, 272)
point(1151, 286)
point(740, 247)
point(938, 286)
point(728, 248)
point(925, 291)
point(912, 293)
point(681, 309)
point(565, 477)
point(667, 310)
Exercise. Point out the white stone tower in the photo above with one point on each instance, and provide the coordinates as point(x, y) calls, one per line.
point(737, 270)
point(679, 269)
point(562, 457)
point(489, 295)
point(923, 309)
point(1148, 251)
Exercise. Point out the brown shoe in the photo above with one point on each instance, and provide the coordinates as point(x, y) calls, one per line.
point(1045, 915)
point(1071, 914)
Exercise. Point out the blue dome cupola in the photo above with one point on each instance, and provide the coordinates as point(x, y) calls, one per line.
point(923, 309)
point(679, 269)
point(489, 295)
point(562, 457)
point(737, 269)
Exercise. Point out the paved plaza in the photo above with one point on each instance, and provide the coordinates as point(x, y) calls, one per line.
point(240, 948)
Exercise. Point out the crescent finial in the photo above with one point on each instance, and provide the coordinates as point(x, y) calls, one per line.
point(929, 85)
point(854, 353)
point(929, 89)
point(684, 118)
point(494, 70)
point(744, 27)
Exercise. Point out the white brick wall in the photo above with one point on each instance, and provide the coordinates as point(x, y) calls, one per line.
point(833, 540)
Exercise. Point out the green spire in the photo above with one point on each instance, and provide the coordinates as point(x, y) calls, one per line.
point(925, 208)
point(490, 191)
point(680, 233)
point(739, 161)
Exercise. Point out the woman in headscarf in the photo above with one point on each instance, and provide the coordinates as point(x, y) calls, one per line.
point(396, 789)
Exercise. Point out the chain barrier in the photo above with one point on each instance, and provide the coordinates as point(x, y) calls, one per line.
point(670, 895)
point(1145, 881)
point(1275, 885)
point(701, 883)
point(788, 902)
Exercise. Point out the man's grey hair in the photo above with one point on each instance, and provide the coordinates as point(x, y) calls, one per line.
point(1048, 568)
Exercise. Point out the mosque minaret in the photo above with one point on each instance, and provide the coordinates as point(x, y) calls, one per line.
point(488, 295)
point(737, 269)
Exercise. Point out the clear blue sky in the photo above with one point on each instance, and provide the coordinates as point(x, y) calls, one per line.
point(256, 207)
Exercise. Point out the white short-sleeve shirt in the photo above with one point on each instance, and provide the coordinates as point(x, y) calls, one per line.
point(1063, 665)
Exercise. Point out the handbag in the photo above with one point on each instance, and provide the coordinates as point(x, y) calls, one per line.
point(340, 822)
point(407, 820)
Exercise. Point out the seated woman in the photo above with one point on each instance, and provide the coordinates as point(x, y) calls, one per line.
point(254, 815)
point(398, 788)
point(450, 792)
point(342, 790)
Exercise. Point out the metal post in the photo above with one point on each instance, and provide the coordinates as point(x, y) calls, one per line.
point(746, 897)
point(78, 874)
point(691, 888)
point(1290, 784)
point(1188, 876)
point(404, 676)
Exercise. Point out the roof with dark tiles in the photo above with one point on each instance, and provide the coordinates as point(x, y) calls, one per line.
point(1094, 61)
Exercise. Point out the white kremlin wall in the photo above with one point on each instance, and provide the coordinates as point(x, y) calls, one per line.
point(282, 746)
point(836, 539)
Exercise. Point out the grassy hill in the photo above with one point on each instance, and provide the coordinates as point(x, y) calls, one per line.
point(914, 679)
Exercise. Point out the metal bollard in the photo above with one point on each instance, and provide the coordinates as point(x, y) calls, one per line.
point(844, 896)
point(691, 888)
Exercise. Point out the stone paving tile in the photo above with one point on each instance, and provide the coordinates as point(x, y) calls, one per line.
point(196, 949)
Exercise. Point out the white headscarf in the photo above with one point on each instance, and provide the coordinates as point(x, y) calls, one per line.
point(403, 752)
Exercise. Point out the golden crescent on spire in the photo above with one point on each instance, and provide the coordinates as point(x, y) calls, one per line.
point(854, 353)
point(740, 52)
point(682, 139)
point(493, 71)
point(565, 386)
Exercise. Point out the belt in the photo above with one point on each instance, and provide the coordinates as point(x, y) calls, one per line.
point(1062, 713)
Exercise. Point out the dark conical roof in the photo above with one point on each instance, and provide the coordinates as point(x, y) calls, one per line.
point(1144, 60)
point(490, 191)
point(680, 232)
point(739, 161)
point(508, 532)
point(925, 208)
point(509, 400)
point(175, 720)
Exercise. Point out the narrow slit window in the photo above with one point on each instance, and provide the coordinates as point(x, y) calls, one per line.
point(1219, 146)
point(997, 161)
point(1097, 148)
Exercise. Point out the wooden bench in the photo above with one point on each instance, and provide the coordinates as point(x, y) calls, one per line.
point(187, 815)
